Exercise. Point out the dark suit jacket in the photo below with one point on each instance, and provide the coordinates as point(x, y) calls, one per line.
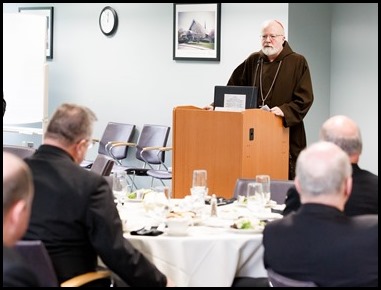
point(16, 272)
point(74, 214)
point(363, 198)
point(321, 244)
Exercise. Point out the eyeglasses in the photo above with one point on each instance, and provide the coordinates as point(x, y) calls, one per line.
point(91, 143)
point(272, 36)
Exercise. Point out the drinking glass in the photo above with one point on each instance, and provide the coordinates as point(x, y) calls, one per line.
point(255, 197)
point(120, 187)
point(157, 203)
point(265, 181)
point(199, 178)
point(199, 188)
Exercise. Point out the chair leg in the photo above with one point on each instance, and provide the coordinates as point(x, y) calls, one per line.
point(133, 184)
point(162, 182)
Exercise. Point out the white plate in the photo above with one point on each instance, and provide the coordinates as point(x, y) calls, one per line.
point(216, 222)
point(268, 216)
point(196, 220)
point(241, 204)
point(246, 231)
point(134, 199)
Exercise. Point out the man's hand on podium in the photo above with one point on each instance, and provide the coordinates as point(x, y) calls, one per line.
point(208, 108)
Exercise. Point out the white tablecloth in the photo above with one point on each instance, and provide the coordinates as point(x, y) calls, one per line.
point(206, 256)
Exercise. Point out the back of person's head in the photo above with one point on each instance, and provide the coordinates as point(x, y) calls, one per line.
point(322, 168)
point(71, 123)
point(18, 193)
point(344, 132)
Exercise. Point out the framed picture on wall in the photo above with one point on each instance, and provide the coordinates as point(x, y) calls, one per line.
point(196, 31)
point(48, 12)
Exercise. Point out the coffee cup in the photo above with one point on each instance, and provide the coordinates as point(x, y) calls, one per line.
point(177, 226)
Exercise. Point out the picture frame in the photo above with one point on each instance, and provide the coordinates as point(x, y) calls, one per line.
point(196, 31)
point(49, 13)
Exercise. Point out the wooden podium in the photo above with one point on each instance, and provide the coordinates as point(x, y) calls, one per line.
point(229, 145)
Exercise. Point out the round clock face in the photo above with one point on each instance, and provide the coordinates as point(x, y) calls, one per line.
point(108, 20)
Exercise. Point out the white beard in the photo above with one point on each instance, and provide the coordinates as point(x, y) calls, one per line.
point(269, 50)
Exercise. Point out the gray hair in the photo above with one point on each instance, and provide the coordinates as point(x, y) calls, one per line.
point(344, 132)
point(71, 123)
point(17, 181)
point(322, 168)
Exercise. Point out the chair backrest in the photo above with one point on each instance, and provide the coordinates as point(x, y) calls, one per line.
point(166, 172)
point(117, 132)
point(102, 165)
point(278, 280)
point(152, 136)
point(241, 186)
point(21, 151)
point(278, 188)
point(36, 255)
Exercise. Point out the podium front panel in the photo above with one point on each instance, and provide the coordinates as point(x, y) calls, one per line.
point(229, 145)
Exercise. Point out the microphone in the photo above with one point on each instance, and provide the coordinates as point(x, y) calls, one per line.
point(259, 61)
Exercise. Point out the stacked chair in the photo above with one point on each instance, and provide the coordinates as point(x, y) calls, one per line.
point(149, 152)
point(113, 132)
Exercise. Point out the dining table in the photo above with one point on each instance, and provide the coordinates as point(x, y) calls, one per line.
point(210, 254)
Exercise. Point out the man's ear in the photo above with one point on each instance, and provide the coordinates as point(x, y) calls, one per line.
point(297, 184)
point(348, 186)
point(16, 212)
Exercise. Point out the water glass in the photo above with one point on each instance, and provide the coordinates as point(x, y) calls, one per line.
point(265, 181)
point(157, 203)
point(199, 178)
point(120, 186)
point(255, 197)
point(199, 188)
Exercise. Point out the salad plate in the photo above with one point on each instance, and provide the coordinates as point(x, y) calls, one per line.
point(134, 199)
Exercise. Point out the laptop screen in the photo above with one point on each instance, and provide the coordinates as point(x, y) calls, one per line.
point(235, 98)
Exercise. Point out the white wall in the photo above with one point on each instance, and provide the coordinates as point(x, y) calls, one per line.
point(131, 77)
point(344, 69)
point(354, 72)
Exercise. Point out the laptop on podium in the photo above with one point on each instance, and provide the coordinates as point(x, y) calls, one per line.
point(235, 98)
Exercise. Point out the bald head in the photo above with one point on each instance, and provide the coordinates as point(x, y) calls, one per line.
point(345, 133)
point(274, 25)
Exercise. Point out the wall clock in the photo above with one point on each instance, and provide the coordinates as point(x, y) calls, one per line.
point(108, 20)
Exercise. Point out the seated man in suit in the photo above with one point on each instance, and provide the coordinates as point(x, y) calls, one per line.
point(17, 202)
point(73, 210)
point(318, 242)
point(345, 133)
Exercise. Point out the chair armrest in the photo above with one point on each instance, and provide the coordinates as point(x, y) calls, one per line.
point(156, 148)
point(112, 144)
point(83, 279)
point(159, 149)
